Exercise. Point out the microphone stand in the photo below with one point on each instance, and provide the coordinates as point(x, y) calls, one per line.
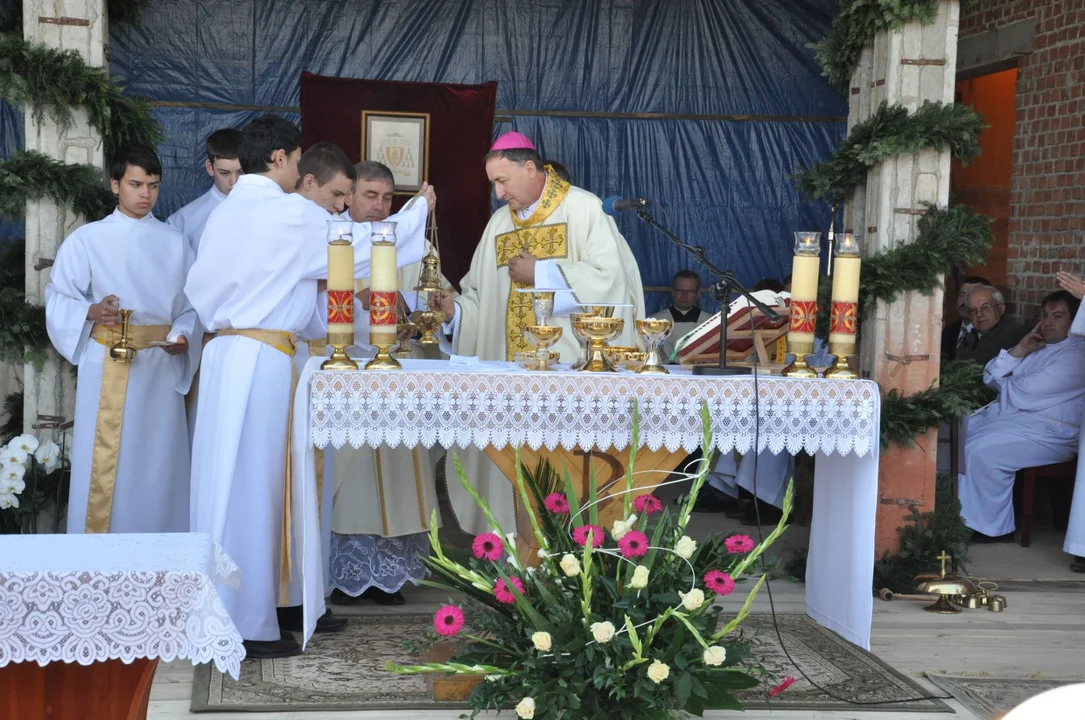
point(725, 284)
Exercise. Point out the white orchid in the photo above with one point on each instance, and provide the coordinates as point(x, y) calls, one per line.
point(12, 481)
point(12, 456)
point(48, 455)
point(26, 442)
point(8, 500)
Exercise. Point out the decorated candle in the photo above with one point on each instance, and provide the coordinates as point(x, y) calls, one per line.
point(383, 284)
point(846, 264)
point(340, 283)
point(804, 292)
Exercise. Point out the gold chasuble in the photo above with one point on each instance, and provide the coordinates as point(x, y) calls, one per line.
point(569, 231)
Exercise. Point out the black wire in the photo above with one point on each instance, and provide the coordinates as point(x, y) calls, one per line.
point(765, 570)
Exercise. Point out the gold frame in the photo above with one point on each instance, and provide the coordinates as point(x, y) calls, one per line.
point(409, 116)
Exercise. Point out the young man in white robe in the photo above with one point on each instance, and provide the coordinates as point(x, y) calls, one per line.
point(255, 285)
point(1034, 421)
point(224, 168)
point(130, 464)
point(550, 235)
point(1074, 544)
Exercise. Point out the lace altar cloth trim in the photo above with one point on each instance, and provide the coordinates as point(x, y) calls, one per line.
point(462, 408)
point(105, 613)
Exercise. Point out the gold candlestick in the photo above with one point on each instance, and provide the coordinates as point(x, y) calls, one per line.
point(383, 296)
point(340, 295)
point(845, 313)
point(802, 314)
point(122, 352)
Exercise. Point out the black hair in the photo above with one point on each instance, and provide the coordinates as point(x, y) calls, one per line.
point(223, 144)
point(325, 161)
point(138, 155)
point(976, 280)
point(686, 274)
point(261, 137)
point(373, 171)
point(769, 284)
point(520, 156)
point(1072, 303)
point(559, 170)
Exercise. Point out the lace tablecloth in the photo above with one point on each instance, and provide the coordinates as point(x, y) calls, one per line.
point(88, 598)
point(431, 403)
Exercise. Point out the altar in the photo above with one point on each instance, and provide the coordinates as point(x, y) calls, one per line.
point(496, 406)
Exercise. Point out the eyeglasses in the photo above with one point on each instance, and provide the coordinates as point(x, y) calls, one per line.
point(982, 309)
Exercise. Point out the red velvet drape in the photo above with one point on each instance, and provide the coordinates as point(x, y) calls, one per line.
point(460, 134)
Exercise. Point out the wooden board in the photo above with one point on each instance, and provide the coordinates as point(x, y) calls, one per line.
point(110, 690)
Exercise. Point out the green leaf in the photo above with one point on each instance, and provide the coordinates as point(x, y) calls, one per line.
point(683, 685)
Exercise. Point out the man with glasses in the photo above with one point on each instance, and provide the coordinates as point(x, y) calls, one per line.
point(953, 334)
point(685, 289)
point(992, 332)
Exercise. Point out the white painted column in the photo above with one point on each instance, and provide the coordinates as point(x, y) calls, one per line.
point(78, 25)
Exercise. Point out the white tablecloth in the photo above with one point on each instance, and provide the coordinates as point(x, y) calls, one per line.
point(431, 402)
point(90, 598)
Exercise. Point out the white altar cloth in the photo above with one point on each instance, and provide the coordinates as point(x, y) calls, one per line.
point(91, 598)
point(433, 402)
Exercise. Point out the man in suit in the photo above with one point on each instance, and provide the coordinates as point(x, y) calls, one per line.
point(992, 331)
point(954, 333)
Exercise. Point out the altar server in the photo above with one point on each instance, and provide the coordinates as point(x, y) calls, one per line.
point(1075, 531)
point(224, 168)
point(255, 285)
point(130, 463)
point(550, 235)
point(1035, 420)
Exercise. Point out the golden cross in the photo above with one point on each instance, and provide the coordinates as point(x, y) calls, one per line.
point(943, 557)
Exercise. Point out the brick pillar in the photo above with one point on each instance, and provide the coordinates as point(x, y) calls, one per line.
point(900, 341)
point(78, 25)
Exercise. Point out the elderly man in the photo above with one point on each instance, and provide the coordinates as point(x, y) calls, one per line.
point(1034, 421)
point(954, 334)
point(687, 315)
point(991, 330)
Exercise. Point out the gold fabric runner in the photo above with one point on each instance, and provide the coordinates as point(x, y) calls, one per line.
point(285, 343)
point(107, 430)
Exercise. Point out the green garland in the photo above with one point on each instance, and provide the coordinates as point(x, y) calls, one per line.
point(23, 338)
point(960, 390)
point(30, 175)
point(52, 81)
point(889, 132)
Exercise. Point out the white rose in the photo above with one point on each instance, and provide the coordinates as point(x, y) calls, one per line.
point(48, 455)
point(602, 632)
point(619, 529)
point(686, 547)
point(541, 641)
point(640, 578)
point(715, 655)
point(570, 565)
point(526, 708)
point(27, 443)
point(658, 672)
point(693, 599)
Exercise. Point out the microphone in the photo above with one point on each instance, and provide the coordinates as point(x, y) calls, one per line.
point(614, 204)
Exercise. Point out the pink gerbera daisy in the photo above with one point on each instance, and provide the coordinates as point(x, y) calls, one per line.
point(719, 582)
point(487, 545)
point(448, 621)
point(648, 505)
point(502, 592)
point(580, 535)
point(633, 544)
point(557, 504)
point(739, 544)
point(782, 686)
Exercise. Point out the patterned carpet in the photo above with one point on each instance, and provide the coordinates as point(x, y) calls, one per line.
point(989, 696)
point(345, 671)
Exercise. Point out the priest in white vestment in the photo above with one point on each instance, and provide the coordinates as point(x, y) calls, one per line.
point(130, 464)
point(255, 285)
point(224, 168)
point(550, 235)
point(1035, 421)
point(1074, 544)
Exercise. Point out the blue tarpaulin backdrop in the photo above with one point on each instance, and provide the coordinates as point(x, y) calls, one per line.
point(705, 106)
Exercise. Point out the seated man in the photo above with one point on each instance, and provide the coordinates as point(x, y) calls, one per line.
point(992, 330)
point(683, 310)
point(953, 334)
point(1035, 420)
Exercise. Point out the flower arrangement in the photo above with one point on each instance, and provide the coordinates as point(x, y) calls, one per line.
point(33, 477)
point(620, 622)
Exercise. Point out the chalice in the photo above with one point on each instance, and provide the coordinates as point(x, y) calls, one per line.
point(652, 333)
point(542, 302)
point(598, 330)
point(542, 337)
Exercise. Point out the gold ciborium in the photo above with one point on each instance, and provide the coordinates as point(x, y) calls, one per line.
point(122, 352)
point(581, 338)
point(542, 337)
point(652, 332)
point(598, 330)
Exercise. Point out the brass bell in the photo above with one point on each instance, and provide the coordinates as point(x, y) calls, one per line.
point(976, 600)
point(996, 603)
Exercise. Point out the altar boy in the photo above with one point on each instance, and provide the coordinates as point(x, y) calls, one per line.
point(130, 462)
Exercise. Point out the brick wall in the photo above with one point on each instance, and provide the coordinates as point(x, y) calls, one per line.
point(1047, 187)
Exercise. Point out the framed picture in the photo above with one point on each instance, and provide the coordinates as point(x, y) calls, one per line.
point(399, 140)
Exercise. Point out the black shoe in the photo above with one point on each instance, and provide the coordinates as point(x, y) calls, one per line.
point(284, 647)
point(981, 539)
point(339, 597)
point(769, 514)
point(1078, 565)
point(711, 500)
point(739, 510)
point(290, 621)
point(384, 598)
